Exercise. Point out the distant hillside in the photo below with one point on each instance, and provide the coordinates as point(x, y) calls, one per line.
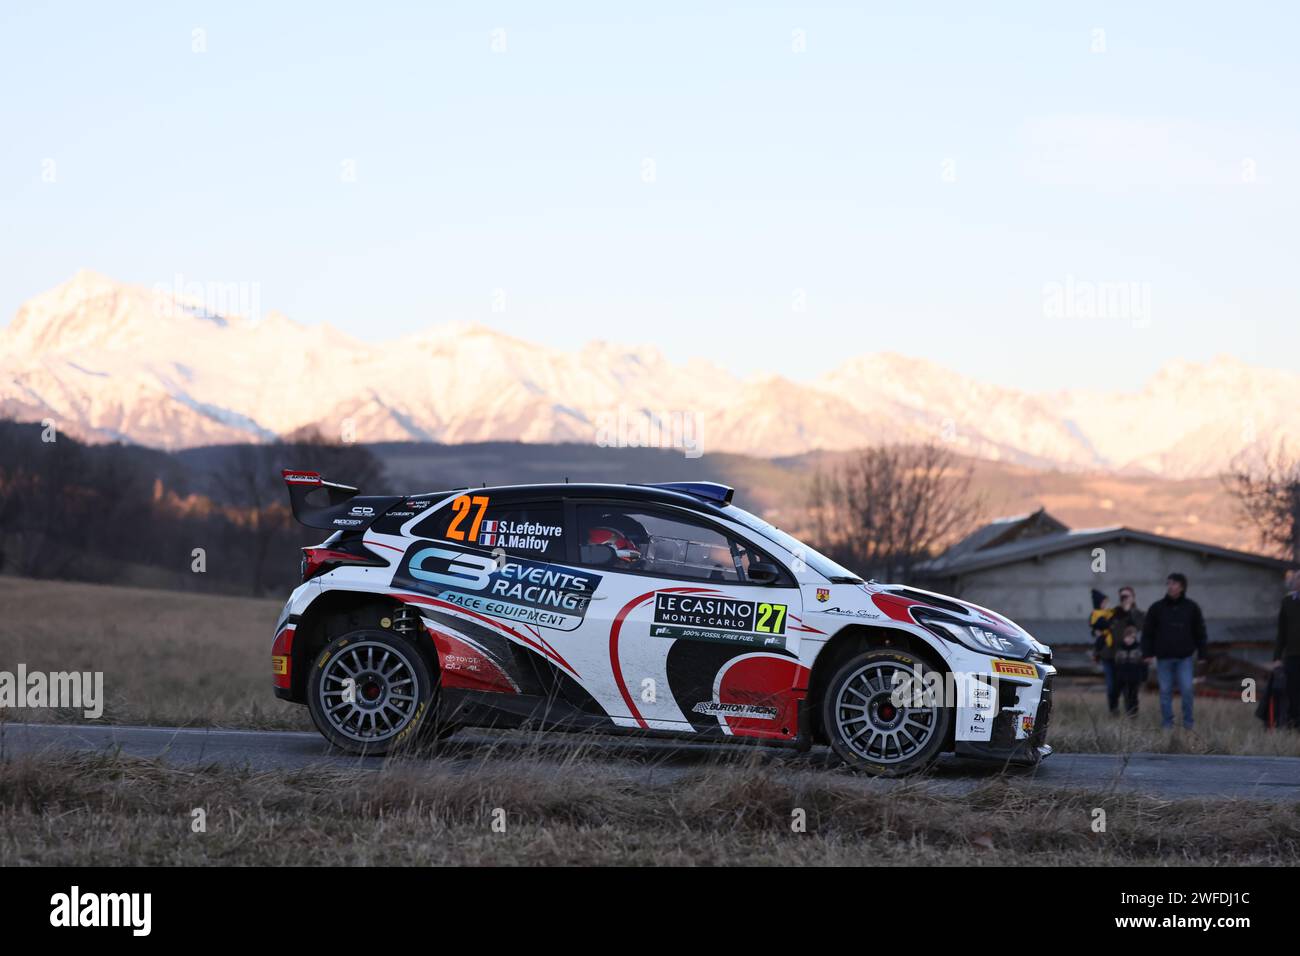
point(124, 514)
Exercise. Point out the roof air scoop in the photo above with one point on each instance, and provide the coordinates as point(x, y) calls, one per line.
point(706, 490)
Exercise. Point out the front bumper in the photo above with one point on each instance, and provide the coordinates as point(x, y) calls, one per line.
point(1019, 727)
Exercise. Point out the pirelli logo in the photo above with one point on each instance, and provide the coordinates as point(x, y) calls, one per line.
point(1015, 668)
point(279, 665)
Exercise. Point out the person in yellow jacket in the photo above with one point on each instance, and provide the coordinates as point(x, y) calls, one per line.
point(1103, 646)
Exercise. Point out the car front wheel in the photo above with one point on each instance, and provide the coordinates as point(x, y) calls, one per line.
point(369, 692)
point(878, 728)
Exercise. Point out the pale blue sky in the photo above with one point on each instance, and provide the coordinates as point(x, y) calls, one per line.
point(1169, 160)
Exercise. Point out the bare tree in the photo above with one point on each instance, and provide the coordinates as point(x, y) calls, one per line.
point(112, 512)
point(1268, 494)
point(885, 509)
point(43, 501)
point(250, 480)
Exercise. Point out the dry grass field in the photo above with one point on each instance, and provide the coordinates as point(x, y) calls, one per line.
point(1080, 724)
point(168, 657)
point(106, 810)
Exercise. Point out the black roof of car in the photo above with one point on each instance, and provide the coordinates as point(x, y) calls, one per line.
point(697, 495)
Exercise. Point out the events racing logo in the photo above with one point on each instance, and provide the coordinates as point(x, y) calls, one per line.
point(517, 589)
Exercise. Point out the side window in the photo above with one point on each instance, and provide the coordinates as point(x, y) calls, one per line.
point(530, 529)
point(670, 544)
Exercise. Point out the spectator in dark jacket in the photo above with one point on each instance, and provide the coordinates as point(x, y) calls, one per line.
point(1130, 669)
point(1174, 635)
point(1287, 652)
point(1125, 616)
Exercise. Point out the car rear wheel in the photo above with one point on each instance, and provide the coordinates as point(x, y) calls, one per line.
point(876, 728)
point(369, 692)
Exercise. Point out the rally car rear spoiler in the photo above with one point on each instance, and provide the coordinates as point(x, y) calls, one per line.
point(318, 503)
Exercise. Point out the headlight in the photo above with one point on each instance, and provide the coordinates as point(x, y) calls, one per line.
point(977, 638)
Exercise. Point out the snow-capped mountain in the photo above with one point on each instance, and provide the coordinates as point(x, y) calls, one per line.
point(110, 361)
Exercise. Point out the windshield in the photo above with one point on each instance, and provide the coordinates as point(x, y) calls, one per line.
point(818, 562)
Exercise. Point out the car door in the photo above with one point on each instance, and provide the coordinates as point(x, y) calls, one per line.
point(500, 599)
point(689, 639)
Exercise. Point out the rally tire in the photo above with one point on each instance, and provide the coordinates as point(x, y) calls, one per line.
point(390, 700)
point(867, 729)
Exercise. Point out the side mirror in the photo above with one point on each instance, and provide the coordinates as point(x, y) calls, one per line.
point(763, 573)
point(597, 555)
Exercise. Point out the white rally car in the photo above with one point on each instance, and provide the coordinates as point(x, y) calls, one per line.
point(660, 609)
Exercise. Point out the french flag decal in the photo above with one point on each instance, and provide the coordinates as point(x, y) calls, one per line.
point(487, 533)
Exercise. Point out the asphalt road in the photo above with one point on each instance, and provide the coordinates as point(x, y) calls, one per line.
point(1275, 779)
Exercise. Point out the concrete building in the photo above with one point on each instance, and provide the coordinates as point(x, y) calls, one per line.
point(1041, 574)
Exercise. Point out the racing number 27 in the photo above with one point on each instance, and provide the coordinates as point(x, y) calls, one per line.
point(461, 507)
point(771, 619)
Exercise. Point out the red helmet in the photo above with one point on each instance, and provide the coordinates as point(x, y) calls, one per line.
point(622, 545)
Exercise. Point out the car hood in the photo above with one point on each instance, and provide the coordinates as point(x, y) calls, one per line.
point(897, 602)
